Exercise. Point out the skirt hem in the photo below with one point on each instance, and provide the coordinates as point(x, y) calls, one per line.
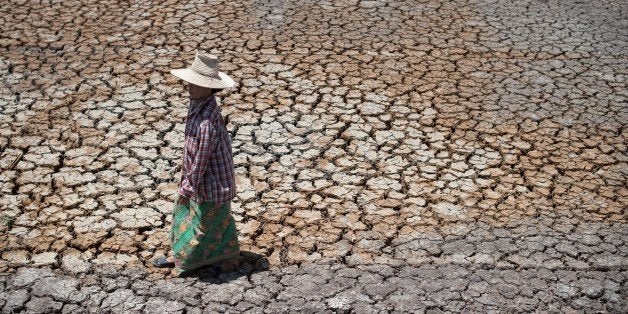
point(188, 268)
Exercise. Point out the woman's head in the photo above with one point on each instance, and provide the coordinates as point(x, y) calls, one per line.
point(197, 91)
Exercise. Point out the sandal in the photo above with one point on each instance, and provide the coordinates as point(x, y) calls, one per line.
point(162, 262)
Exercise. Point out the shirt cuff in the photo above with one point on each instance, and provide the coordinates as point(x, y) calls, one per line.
point(186, 190)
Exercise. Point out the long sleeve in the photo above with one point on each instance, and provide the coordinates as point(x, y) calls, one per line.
point(190, 185)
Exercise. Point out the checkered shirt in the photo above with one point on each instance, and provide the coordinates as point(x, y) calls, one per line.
point(207, 173)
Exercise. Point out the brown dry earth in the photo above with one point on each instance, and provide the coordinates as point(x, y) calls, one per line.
point(420, 156)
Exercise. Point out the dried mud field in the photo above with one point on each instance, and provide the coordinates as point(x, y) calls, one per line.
point(391, 156)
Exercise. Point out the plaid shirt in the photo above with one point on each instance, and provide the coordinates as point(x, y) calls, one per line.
point(207, 173)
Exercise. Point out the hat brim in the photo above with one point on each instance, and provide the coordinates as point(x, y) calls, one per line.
point(190, 76)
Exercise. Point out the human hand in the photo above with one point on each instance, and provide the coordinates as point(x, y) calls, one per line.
point(183, 200)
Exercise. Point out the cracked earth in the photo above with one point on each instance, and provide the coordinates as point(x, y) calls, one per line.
point(391, 156)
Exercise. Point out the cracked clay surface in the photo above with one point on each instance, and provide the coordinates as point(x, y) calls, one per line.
point(391, 156)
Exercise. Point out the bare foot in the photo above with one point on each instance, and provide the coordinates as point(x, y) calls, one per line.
point(159, 261)
point(170, 258)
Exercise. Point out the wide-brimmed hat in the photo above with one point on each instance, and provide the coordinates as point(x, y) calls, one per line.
point(204, 71)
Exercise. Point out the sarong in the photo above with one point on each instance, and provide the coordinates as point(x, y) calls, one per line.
point(202, 234)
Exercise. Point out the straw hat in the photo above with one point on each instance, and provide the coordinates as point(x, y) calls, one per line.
point(204, 72)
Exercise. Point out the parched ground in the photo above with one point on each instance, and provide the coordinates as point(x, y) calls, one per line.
point(463, 155)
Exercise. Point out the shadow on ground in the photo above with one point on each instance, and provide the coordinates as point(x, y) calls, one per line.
point(250, 263)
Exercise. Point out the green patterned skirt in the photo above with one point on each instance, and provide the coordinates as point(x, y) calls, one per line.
point(202, 234)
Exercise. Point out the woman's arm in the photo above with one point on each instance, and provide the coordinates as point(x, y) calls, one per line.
point(206, 141)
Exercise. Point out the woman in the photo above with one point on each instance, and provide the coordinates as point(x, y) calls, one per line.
point(203, 230)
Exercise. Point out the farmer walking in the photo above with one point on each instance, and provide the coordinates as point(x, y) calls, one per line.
point(203, 230)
